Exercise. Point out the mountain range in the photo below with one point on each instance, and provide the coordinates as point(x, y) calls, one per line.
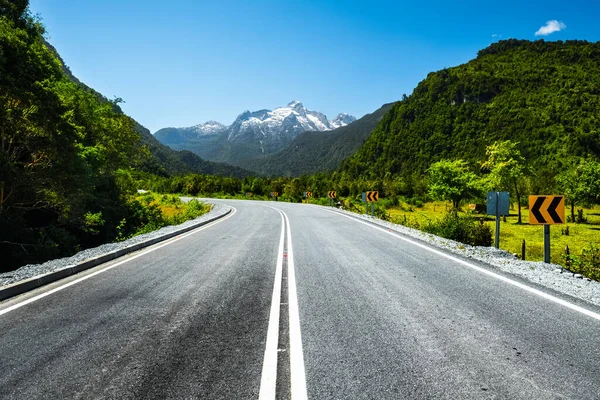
point(253, 135)
point(318, 151)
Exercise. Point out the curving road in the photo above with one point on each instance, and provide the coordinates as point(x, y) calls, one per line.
point(288, 300)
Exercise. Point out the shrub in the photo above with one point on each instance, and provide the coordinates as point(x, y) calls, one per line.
point(462, 228)
point(588, 263)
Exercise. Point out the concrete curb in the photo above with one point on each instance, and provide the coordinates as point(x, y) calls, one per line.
point(26, 285)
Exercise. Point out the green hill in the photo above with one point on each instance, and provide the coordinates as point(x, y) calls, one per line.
point(162, 159)
point(544, 95)
point(313, 152)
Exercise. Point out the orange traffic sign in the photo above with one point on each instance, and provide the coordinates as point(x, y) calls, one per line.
point(546, 210)
point(372, 196)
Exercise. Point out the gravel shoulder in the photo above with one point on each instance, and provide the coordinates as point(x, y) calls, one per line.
point(551, 276)
point(32, 270)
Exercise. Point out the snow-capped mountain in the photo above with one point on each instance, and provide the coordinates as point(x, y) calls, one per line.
point(252, 134)
point(342, 119)
point(207, 128)
point(283, 122)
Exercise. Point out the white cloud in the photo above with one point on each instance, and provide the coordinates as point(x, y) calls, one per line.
point(550, 27)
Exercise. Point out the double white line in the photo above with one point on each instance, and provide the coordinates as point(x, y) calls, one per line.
point(297, 373)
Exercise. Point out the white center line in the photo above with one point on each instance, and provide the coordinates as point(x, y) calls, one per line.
point(520, 285)
point(168, 242)
point(297, 372)
point(268, 379)
point(268, 382)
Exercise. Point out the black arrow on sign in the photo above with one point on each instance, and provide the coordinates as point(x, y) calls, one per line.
point(552, 210)
point(535, 210)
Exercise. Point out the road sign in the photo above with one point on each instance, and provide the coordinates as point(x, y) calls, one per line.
point(307, 194)
point(331, 194)
point(372, 196)
point(503, 199)
point(249, 194)
point(546, 210)
point(274, 194)
point(364, 197)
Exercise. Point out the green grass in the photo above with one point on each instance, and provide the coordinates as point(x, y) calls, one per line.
point(512, 234)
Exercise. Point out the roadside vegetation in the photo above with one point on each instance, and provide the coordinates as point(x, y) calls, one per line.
point(151, 211)
point(522, 117)
point(67, 156)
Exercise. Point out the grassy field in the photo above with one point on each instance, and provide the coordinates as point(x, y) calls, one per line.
point(512, 234)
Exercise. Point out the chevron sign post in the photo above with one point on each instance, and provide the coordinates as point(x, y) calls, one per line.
point(331, 194)
point(546, 210)
point(370, 197)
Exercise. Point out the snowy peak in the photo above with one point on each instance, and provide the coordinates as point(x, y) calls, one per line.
point(286, 121)
point(296, 105)
point(342, 119)
point(253, 133)
point(208, 128)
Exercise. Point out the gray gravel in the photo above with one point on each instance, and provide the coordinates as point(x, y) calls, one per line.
point(32, 270)
point(548, 275)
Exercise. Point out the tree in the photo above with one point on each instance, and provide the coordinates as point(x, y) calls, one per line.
point(580, 183)
point(506, 168)
point(451, 180)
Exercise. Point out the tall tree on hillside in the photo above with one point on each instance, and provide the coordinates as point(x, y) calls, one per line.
point(580, 183)
point(60, 147)
point(451, 180)
point(506, 168)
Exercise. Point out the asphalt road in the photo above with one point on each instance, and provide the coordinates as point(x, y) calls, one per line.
point(358, 314)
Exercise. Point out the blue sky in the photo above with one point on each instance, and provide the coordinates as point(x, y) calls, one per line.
point(180, 63)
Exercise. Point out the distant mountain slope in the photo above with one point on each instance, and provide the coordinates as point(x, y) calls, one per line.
point(314, 152)
point(544, 95)
point(251, 135)
point(164, 160)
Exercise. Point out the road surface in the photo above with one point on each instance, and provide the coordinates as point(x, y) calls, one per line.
point(283, 300)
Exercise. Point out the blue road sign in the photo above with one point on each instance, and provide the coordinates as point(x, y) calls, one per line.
point(503, 199)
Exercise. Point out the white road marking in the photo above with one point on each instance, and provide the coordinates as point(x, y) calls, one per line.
point(520, 285)
point(297, 372)
point(268, 379)
point(58, 289)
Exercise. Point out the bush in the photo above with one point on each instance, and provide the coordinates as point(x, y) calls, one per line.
point(462, 228)
point(587, 264)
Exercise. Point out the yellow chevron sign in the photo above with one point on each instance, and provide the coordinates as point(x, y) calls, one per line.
point(274, 194)
point(546, 210)
point(307, 194)
point(331, 194)
point(372, 196)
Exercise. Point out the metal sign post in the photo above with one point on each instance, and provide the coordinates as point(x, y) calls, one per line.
point(498, 204)
point(546, 210)
point(547, 244)
point(497, 239)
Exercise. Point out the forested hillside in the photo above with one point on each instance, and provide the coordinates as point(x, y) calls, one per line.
point(543, 95)
point(313, 152)
point(159, 159)
point(68, 156)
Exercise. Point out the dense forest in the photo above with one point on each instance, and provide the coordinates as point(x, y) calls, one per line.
point(67, 154)
point(545, 96)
